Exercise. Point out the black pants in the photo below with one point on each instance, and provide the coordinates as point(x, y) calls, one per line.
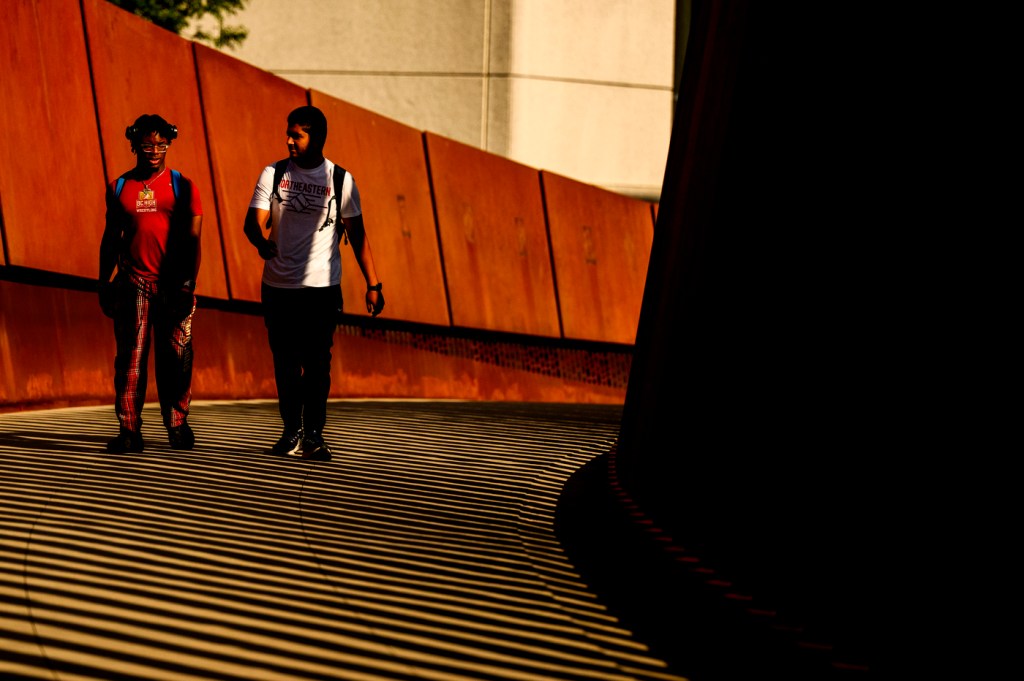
point(300, 326)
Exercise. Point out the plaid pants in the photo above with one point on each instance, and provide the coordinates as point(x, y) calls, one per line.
point(141, 316)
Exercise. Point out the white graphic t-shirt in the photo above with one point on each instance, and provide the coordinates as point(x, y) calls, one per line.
point(304, 224)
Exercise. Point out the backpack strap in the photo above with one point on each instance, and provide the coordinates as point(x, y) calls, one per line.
point(175, 184)
point(275, 193)
point(279, 169)
point(339, 180)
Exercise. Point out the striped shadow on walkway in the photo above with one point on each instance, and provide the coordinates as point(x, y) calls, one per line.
point(425, 550)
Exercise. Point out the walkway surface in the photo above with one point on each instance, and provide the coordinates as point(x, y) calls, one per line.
point(425, 549)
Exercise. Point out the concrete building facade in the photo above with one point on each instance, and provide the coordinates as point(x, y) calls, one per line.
point(582, 88)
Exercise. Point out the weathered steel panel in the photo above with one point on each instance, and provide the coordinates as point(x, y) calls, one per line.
point(51, 167)
point(601, 243)
point(55, 347)
point(493, 240)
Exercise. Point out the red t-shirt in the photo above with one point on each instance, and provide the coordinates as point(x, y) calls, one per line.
point(149, 219)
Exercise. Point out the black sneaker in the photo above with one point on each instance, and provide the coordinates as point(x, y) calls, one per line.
point(290, 442)
point(181, 437)
point(314, 448)
point(126, 441)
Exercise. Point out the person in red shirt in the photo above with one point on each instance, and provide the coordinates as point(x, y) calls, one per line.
point(152, 237)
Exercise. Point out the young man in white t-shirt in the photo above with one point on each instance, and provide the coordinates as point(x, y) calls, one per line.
point(301, 290)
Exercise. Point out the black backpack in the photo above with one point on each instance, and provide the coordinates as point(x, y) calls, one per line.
point(339, 179)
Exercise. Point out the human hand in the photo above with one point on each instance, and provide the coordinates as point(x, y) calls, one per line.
point(374, 302)
point(179, 303)
point(268, 250)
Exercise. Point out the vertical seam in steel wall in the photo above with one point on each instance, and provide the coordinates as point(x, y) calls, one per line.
point(4, 251)
point(3, 236)
point(92, 87)
point(437, 228)
point(551, 252)
point(213, 179)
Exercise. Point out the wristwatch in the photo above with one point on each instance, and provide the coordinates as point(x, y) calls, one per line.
point(376, 287)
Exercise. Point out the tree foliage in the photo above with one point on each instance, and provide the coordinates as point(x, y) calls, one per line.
point(177, 15)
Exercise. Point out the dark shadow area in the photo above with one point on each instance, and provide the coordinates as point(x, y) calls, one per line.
point(50, 441)
point(767, 399)
point(707, 623)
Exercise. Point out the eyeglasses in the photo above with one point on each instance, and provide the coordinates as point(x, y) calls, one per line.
point(150, 148)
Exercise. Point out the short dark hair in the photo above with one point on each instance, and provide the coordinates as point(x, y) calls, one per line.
point(313, 120)
point(147, 123)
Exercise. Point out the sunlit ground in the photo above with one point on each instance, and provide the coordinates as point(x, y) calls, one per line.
point(424, 550)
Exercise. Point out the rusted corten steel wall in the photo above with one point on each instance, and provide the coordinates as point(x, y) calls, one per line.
point(477, 285)
point(490, 216)
point(601, 242)
point(51, 166)
point(245, 110)
point(55, 346)
point(56, 349)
